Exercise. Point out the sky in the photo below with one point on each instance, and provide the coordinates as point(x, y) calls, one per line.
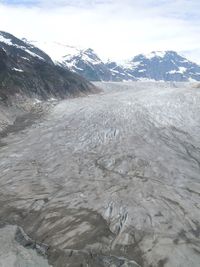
point(115, 29)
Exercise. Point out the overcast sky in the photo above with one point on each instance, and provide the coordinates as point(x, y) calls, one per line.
point(115, 29)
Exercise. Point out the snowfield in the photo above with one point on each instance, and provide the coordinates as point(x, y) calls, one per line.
point(110, 179)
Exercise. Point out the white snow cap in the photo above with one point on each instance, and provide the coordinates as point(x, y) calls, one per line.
point(56, 50)
point(18, 70)
point(155, 54)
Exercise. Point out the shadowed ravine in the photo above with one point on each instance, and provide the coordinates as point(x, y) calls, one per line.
point(106, 180)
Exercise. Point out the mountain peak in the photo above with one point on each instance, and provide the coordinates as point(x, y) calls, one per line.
point(153, 54)
point(158, 54)
point(157, 65)
point(163, 65)
point(88, 51)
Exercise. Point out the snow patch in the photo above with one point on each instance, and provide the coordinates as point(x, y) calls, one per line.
point(131, 64)
point(192, 80)
point(9, 42)
point(155, 54)
point(85, 57)
point(145, 80)
point(70, 65)
point(52, 99)
point(141, 70)
point(31, 53)
point(19, 70)
point(172, 71)
point(78, 68)
point(36, 101)
point(181, 70)
point(57, 51)
point(26, 58)
point(115, 71)
point(5, 40)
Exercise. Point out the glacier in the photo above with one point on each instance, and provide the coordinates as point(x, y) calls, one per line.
point(111, 179)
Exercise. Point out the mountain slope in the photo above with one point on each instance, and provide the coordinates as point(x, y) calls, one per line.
point(88, 64)
point(156, 66)
point(166, 66)
point(85, 62)
point(118, 72)
point(55, 50)
point(27, 71)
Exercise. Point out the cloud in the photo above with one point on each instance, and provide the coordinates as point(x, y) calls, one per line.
point(115, 29)
point(20, 2)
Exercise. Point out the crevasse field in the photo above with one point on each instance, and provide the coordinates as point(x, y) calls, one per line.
point(106, 180)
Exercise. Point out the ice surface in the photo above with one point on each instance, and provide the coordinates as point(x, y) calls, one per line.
point(113, 174)
point(12, 254)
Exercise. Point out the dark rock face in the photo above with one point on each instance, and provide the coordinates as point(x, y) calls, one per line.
point(166, 66)
point(26, 70)
point(88, 65)
point(119, 73)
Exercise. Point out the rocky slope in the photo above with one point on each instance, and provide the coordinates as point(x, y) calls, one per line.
point(29, 76)
point(27, 71)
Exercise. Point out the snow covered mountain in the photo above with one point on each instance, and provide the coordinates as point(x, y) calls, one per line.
point(155, 66)
point(55, 50)
point(119, 73)
point(85, 62)
point(88, 64)
point(27, 70)
point(165, 66)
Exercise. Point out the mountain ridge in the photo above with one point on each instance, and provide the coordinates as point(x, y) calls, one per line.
point(27, 70)
point(30, 82)
point(163, 66)
point(155, 66)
